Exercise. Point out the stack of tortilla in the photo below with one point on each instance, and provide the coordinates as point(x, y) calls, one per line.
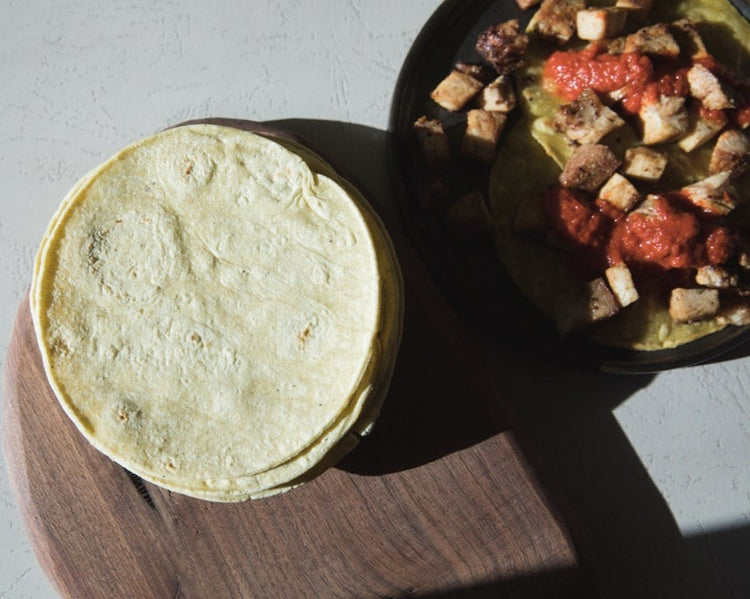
point(218, 312)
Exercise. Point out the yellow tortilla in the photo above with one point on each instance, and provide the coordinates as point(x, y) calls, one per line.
point(533, 153)
point(210, 309)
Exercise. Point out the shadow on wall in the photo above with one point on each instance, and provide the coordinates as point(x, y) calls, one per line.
point(562, 417)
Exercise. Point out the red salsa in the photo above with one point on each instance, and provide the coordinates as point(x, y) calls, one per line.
point(670, 236)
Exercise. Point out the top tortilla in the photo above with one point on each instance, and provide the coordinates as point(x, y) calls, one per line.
point(206, 305)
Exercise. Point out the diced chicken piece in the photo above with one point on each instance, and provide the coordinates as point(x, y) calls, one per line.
point(499, 96)
point(735, 313)
point(503, 46)
point(483, 129)
point(556, 19)
point(690, 41)
point(586, 120)
point(456, 90)
point(530, 217)
point(648, 207)
point(706, 87)
point(589, 167)
point(644, 163)
point(432, 193)
point(715, 277)
point(701, 132)
point(595, 24)
point(434, 143)
point(582, 306)
point(691, 305)
point(526, 4)
point(743, 259)
point(664, 120)
point(731, 153)
point(637, 9)
point(713, 194)
point(620, 192)
point(480, 72)
point(621, 283)
point(653, 40)
point(469, 216)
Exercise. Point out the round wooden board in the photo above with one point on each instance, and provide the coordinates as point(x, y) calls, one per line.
point(438, 500)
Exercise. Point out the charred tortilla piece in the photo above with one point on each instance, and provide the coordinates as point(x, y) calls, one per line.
point(556, 19)
point(434, 143)
point(530, 217)
point(596, 24)
point(589, 167)
point(691, 305)
point(456, 90)
point(586, 120)
point(644, 163)
point(503, 46)
point(731, 153)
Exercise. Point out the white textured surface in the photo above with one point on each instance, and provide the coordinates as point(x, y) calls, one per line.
point(79, 80)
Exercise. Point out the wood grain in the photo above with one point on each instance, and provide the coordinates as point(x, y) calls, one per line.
point(438, 501)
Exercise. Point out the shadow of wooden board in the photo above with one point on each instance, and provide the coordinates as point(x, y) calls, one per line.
point(469, 518)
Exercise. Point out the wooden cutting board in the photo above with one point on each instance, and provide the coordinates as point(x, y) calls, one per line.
point(439, 501)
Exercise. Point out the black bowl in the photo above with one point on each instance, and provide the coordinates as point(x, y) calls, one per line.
point(470, 274)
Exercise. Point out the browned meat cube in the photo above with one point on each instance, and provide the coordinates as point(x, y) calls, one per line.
point(589, 167)
point(701, 132)
point(468, 216)
point(713, 194)
point(526, 4)
point(595, 24)
point(706, 87)
point(731, 153)
point(644, 163)
point(434, 143)
point(690, 41)
point(483, 129)
point(637, 9)
point(664, 120)
point(503, 46)
point(456, 90)
point(556, 19)
point(621, 283)
point(716, 277)
point(654, 40)
point(691, 305)
point(586, 120)
point(620, 192)
point(582, 306)
point(499, 95)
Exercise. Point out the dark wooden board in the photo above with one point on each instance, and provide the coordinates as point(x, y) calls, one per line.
point(439, 501)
